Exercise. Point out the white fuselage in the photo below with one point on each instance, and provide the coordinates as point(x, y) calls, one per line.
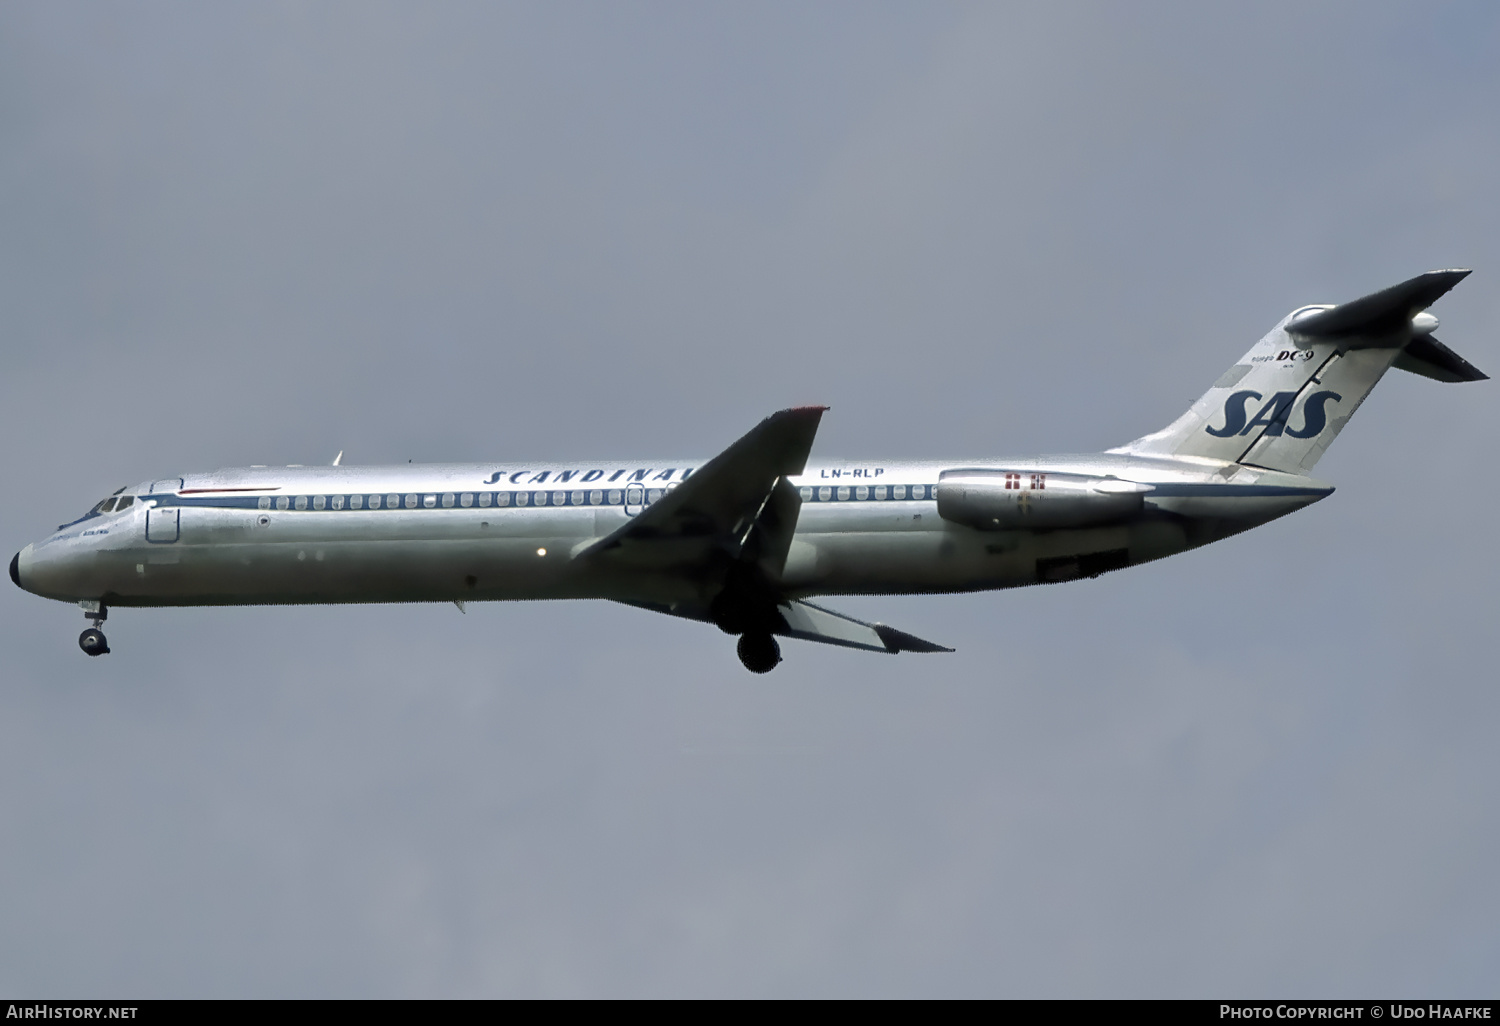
point(460, 532)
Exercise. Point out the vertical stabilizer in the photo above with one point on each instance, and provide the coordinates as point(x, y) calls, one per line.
point(1287, 399)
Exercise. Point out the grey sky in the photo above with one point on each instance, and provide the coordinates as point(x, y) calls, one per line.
point(263, 233)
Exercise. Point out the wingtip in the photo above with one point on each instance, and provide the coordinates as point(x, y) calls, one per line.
point(812, 414)
point(1451, 275)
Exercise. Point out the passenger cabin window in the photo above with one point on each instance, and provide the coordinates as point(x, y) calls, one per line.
point(411, 501)
point(880, 491)
point(484, 499)
point(614, 496)
point(596, 497)
point(654, 495)
point(319, 502)
point(466, 499)
point(522, 498)
point(265, 502)
point(392, 501)
point(429, 502)
point(282, 502)
point(301, 502)
point(356, 501)
point(861, 492)
point(898, 491)
point(448, 499)
point(825, 493)
point(806, 494)
point(578, 498)
point(844, 494)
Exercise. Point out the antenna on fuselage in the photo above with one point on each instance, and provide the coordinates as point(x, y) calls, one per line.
point(337, 458)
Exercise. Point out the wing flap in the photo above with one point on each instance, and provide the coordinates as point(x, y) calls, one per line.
point(814, 623)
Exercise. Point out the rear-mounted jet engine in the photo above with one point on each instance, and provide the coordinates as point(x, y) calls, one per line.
point(1004, 500)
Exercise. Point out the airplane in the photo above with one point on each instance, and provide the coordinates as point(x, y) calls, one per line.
point(746, 539)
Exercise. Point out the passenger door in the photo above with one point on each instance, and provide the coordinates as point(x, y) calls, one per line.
point(635, 499)
point(162, 526)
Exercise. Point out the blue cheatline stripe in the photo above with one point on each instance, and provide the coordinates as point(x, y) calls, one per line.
point(541, 498)
point(548, 498)
point(874, 493)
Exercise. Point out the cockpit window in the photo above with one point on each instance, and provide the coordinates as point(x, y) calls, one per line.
point(114, 505)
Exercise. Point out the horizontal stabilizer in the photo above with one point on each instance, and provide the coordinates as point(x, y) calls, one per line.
point(814, 623)
point(1375, 314)
point(1428, 357)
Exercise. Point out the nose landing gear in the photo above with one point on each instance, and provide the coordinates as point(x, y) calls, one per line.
point(92, 641)
point(759, 652)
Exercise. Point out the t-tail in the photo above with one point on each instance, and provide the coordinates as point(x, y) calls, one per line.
point(1286, 400)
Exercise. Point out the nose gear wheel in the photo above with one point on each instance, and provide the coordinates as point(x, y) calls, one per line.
point(92, 642)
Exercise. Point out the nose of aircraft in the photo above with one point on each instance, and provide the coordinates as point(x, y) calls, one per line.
point(23, 572)
point(65, 569)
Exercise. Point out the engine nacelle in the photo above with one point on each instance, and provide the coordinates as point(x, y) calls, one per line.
point(1005, 500)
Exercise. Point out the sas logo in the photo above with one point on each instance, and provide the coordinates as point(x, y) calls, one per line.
point(1273, 415)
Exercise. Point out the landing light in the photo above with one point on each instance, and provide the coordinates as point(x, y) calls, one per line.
point(541, 552)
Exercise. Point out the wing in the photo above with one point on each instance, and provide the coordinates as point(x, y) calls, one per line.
point(730, 525)
point(738, 504)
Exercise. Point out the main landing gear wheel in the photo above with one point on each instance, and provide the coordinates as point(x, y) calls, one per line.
point(92, 642)
point(759, 652)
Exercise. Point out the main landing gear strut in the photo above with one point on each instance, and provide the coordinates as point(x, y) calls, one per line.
point(746, 605)
point(92, 641)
